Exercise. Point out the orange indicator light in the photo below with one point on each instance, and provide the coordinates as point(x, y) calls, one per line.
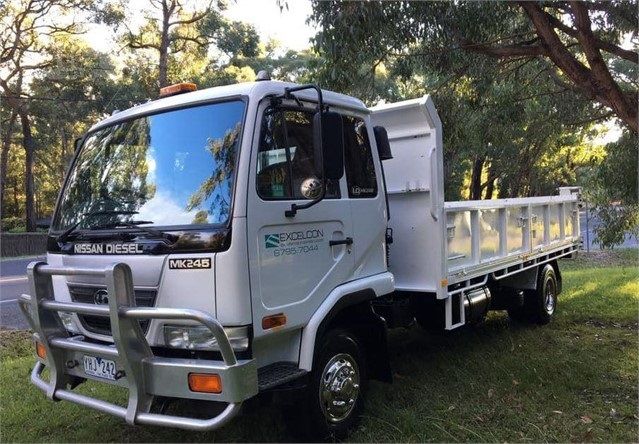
point(272, 321)
point(40, 350)
point(205, 383)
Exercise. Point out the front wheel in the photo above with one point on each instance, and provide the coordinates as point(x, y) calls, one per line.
point(334, 397)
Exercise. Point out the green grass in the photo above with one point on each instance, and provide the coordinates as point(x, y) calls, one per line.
point(573, 380)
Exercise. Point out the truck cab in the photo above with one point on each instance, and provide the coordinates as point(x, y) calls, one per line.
point(192, 194)
point(215, 244)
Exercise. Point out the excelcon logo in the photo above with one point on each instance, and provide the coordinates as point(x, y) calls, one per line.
point(276, 240)
point(272, 240)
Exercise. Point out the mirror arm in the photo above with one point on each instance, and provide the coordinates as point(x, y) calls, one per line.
point(288, 94)
point(294, 207)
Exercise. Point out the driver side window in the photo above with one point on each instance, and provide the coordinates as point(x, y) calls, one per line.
point(285, 157)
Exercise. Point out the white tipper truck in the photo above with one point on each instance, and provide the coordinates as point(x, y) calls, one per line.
point(216, 244)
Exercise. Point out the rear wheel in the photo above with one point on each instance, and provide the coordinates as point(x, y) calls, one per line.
point(333, 401)
point(544, 300)
point(538, 306)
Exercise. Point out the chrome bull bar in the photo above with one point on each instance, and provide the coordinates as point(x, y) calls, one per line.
point(144, 374)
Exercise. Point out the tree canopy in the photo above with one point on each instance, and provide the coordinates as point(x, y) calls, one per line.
point(54, 86)
point(577, 45)
point(524, 89)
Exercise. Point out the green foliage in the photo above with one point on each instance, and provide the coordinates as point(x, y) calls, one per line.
point(13, 224)
point(290, 66)
point(615, 194)
point(76, 86)
point(512, 126)
point(618, 172)
point(181, 40)
point(238, 40)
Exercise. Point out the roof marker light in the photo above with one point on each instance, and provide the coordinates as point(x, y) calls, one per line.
point(178, 88)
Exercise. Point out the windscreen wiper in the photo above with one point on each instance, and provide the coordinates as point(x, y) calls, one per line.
point(72, 229)
point(138, 224)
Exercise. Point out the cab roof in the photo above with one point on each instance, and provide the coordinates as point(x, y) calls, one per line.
point(254, 91)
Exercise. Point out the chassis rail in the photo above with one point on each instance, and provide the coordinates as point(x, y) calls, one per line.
point(144, 374)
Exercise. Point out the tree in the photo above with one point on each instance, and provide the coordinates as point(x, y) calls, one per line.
point(184, 41)
point(6, 129)
point(168, 30)
point(517, 121)
point(615, 195)
point(503, 120)
point(67, 97)
point(24, 29)
point(555, 36)
point(289, 65)
point(594, 81)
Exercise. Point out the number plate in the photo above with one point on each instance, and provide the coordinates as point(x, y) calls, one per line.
point(102, 368)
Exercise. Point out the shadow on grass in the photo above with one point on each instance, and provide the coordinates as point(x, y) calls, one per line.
point(502, 382)
point(573, 380)
point(497, 382)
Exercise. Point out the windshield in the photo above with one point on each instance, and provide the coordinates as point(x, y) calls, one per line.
point(173, 168)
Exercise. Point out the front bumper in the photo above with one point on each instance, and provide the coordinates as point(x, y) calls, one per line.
point(144, 374)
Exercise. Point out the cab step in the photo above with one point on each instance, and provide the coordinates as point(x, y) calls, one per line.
point(278, 373)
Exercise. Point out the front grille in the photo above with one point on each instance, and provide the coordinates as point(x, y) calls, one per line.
point(101, 325)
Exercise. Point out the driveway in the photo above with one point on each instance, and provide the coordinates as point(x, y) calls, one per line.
point(13, 282)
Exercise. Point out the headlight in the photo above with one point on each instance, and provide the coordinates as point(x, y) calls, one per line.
point(199, 337)
point(69, 322)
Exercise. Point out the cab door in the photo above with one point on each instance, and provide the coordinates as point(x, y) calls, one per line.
point(293, 266)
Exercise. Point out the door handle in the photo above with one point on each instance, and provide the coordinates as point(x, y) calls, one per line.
point(347, 241)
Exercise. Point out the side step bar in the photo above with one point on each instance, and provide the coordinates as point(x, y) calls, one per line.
point(278, 373)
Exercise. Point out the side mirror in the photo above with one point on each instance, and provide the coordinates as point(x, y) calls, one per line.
point(329, 145)
point(383, 145)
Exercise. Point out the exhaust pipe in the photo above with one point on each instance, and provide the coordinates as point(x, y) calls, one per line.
point(476, 304)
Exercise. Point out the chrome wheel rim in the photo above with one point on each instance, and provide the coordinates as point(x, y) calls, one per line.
point(549, 296)
point(339, 387)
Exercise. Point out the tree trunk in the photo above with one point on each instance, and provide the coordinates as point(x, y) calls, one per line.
point(490, 188)
point(16, 204)
point(6, 144)
point(164, 46)
point(28, 143)
point(475, 179)
point(493, 174)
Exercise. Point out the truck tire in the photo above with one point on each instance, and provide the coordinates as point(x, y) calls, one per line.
point(334, 398)
point(538, 306)
point(543, 301)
